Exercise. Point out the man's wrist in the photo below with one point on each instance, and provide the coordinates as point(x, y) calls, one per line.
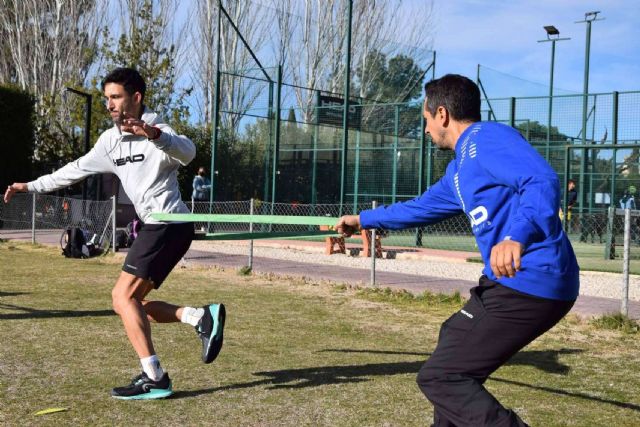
point(156, 133)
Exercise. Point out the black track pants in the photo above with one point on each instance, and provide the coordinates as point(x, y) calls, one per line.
point(493, 325)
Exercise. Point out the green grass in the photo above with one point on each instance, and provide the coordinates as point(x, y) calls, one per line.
point(296, 353)
point(617, 322)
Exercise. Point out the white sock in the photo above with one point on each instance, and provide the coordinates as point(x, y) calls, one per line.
point(191, 315)
point(151, 367)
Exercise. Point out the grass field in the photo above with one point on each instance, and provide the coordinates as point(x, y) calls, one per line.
point(296, 353)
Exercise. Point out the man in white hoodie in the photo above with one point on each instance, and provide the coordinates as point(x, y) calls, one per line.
point(145, 154)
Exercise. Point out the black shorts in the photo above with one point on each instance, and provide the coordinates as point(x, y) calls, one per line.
point(157, 249)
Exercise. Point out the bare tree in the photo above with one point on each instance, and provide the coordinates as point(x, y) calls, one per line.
point(204, 35)
point(315, 43)
point(152, 41)
point(49, 44)
point(241, 83)
point(308, 38)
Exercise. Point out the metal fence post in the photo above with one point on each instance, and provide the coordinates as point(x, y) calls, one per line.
point(373, 250)
point(251, 231)
point(33, 218)
point(113, 223)
point(624, 309)
point(610, 248)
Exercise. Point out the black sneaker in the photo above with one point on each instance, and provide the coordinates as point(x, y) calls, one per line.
point(143, 387)
point(210, 330)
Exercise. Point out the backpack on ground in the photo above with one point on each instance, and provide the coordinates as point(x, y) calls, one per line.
point(74, 244)
point(121, 239)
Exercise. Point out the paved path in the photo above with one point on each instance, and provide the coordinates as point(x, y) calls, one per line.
point(586, 306)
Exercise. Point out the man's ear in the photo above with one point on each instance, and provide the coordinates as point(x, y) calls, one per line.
point(137, 98)
point(443, 115)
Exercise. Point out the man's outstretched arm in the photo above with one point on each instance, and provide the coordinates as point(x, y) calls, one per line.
point(16, 187)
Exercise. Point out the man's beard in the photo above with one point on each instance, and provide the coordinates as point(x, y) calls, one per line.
point(440, 141)
point(118, 121)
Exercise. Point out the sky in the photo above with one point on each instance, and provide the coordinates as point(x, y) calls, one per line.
point(502, 35)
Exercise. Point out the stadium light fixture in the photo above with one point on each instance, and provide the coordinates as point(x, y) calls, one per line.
point(553, 35)
point(591, 16)
point(551, 31)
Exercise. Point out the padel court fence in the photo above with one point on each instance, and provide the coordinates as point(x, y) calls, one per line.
point(598, 235)
point(305, 155)
point(598, 238)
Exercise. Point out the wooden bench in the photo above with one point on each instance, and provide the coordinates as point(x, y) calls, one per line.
point(365, 235)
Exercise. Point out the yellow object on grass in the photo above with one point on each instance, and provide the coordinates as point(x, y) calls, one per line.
point(51, 411)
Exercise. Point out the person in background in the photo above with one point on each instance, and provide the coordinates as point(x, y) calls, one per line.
point(201, 186)
point(572, 198)
point(628, 200)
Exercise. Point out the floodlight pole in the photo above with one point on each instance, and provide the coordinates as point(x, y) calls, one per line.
point(589, 17)
point(216, 113)
point(345, 113)
point(276, 133)
point(87, 130)
point(551, 31)
point(314, 156)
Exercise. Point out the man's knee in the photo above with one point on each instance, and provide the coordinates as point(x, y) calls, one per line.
point(427, 380)
point(119, 299)
point(128, 288)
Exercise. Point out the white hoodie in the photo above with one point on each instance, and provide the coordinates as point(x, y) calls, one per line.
point(148, 169)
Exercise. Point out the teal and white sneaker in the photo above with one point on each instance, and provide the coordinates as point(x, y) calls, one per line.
point(210, 329)
point(143, 387)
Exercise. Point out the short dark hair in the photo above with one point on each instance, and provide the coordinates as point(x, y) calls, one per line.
point(458, 94)
point(127, 77)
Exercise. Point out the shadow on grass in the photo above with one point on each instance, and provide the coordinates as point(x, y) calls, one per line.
point(324, 375)
point(348, 350)
point(32, 313)
point(313, 377)
point(12, 294)
point(585, 396)
point(546, 360)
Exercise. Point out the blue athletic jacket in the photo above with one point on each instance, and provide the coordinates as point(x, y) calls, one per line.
point(508, 191)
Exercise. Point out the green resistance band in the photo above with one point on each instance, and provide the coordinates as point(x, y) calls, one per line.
point(255, 219)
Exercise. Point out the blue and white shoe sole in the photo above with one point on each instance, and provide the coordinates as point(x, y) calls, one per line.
point(214, 344)
point(155, 393)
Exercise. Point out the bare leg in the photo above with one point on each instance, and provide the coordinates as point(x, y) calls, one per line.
point(162, 312)
point(126, 297)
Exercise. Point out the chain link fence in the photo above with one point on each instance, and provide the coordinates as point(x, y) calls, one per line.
point(597, 235)
point(43, 218)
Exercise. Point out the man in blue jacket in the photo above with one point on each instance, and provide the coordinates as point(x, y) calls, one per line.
point(530, 280)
